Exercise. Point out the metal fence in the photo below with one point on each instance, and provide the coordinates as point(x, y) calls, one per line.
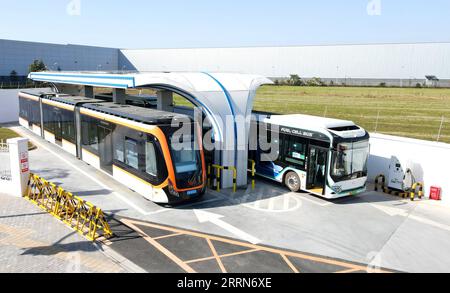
point(416, 125)
point(5, 168)
point(19, 85)
point(3, 146)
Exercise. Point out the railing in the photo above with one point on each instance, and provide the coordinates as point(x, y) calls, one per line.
point(417, 189)
point(252, 171)
point(215, 175)
point(19, 85)
point(5, 175)
point(4, 146)
point(82, 216)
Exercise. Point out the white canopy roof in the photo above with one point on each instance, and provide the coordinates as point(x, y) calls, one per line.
point(220, 95)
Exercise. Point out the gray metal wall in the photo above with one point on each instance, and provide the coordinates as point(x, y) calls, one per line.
point(17, 55)
point(363, 63)
point(366, 65)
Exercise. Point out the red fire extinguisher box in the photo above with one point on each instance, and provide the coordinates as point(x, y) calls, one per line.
point(435, 193)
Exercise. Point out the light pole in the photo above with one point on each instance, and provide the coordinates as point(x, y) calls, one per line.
point(401, 75)
point(337, 75)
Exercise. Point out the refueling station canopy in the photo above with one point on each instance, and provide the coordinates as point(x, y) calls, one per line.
point(223, 97)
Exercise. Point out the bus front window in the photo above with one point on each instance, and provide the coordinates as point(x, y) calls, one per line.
point(350, 161)
point(187, 161)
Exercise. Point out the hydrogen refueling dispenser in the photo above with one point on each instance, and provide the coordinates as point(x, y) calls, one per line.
point(398, 178)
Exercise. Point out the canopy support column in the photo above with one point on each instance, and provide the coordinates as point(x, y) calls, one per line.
point(119, 96)
point(165, 101)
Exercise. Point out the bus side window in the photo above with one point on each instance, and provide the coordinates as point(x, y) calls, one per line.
point(296, 151)
point(131, 153)
point(151, 166)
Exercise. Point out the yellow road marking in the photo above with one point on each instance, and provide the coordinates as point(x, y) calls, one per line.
point(167, 236)
point(216, 256)
point(161, 248)
point(348, 271)
point(254, 247)
point(289, 263)
point(222, 256)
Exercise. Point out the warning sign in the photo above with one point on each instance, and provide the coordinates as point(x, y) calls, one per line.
point(24, 165)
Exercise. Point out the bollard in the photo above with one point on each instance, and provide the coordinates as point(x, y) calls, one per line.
point(377, 182)
point(217, 178)
point(253, 171)
point(415, 192)
point(20, 169)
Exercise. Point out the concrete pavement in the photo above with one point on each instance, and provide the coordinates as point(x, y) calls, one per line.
point(372, 228)
point(31, 241)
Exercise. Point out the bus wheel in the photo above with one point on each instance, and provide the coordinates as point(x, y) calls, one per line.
point(292, 181)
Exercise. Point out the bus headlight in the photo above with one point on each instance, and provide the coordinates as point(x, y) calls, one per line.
point(172, 190)
point(337, 189)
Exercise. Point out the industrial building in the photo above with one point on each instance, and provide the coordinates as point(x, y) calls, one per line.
point(17, 56)
point(365, 65)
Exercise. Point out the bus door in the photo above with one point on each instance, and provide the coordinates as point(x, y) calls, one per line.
point(317, 165)
point(105, 148)
point(58, 127)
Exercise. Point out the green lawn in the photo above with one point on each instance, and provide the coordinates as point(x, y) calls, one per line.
point(410, 112)
point(6, 133)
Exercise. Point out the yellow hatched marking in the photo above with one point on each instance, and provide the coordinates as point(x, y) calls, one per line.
point(253, 248)
point(216, 256)
point(289, 263)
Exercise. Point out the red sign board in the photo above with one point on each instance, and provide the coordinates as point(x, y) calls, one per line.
point(435, 193)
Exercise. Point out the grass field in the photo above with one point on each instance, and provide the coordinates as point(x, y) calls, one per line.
point(410, 112)
point(6, 133)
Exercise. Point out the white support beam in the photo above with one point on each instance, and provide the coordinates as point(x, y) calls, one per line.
point(223, 97)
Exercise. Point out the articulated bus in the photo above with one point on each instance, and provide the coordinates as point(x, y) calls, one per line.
point(30, 111)
point(325, 157)
point(136, 146)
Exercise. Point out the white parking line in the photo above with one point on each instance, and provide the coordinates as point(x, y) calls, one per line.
point(323, 204)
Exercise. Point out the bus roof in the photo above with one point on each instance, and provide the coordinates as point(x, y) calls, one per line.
point(73, 100)
point(306, 121)
point(144, 115)
point(41, 93)
point(315, 126)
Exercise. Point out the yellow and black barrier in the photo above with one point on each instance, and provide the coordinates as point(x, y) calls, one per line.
point(214, 176)
point(417, 189)
point(380, 184)
point(395, 192)
point(253, 172)
point(78, 214)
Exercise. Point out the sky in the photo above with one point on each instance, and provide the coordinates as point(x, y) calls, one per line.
point(232, 23)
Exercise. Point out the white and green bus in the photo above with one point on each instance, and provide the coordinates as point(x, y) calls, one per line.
point(325, 157)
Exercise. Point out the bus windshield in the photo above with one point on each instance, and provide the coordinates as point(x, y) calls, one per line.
point(350, 161)
point(187, 162)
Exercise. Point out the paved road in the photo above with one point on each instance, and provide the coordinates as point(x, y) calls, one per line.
point(160, 249)
point(31, 241)
point(371, 228)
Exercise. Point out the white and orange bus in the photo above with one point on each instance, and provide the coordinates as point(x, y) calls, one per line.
point(138, 147)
